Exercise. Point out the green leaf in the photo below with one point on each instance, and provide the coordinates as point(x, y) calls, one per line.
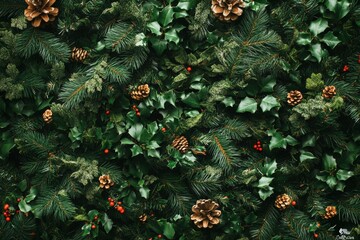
point(267, 84)
point(305, 155)
point(136, 150)
point(317, 52)
point(136, 130)
point(265, 193)
point(344, 175)
point(269, 102)
point(330, 39)
point(166, 16)
point(269, 168)
point(154, 27)
point(342, 9)
point(159, 45)
point(93, 213)
point(107, 223)
point(144, 192)
point(247, 105)
point(331, 4)
point(22, 185)
point(331, 181)
point(329, 162)
point(304, 38)
point(86, 230)
point(277, 140)
point(172, 36)
point(264, 182)
point(24, 207)
point(154, 153)
point(291, 141)
point(318, 26)
point(169, 230)
point(186, 4)
point(228, 102)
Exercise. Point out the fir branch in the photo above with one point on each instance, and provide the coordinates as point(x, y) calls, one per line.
point(298, 224)
point(115, 71)
point(135, 58)
point(235, 129)
point(73, 92)
point(50, 48)
point(55, 204)
point(21, 227)
point(120, 37)
point(11, 7)
point(36, 143)
point(349, 210)
point(206, 181)
point(268, 225)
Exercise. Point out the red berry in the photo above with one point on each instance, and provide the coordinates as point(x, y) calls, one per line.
point(119, 208)
point(189, 69)
point(96, 218)
point(106, 151)
point(159, 236)
point(6, 206)
point(134, 106)
point(345, 68)
point(316, 235)
point(18, 200)
point(318, 224)
point(110, 199)
point(138, 114)
point(260, 149)
point(122, 211)
point(5, 214)
point(93, 226)
point(293, 203)
point(255, 146)
point(119, 203)
point(163, 129)
point(8, 219)
point(112, 204)
point(258, 142)
point(107, 112)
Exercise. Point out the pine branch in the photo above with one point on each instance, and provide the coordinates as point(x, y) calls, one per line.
point(120, 37)
point(36, 143)
point(268, 225)
point(134, 58)
point(11, 7)
point(235, 129)
point(50, 48)
point(206, 181)
point(55, 204)
point(117, 72)
point(298, 224)
point(73, 92)
point(349, 210)
point(21, 227)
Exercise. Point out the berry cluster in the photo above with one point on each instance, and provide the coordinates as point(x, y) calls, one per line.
point(116, 205)
point(257, 146)
point(134, 107)
point(7, 213)
point(159, 236)
point(345, 68)
point(95, 222)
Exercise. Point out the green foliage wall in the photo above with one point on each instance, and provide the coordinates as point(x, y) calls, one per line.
point(222, 85)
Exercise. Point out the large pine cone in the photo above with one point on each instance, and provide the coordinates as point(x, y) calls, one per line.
point(283, 201)
point(181, 144)
point(294, 97)
point(105, 181)
point(47, 116)
point(79, 54)
point(141, 92)
point(39, 10)
point(329, 92)
point(330, 212)
point(205, 213)
point(227, 10)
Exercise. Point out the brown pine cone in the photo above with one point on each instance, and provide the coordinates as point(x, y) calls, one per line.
point(294, 97)
point(39, 10)
point(181, 144)
point(283, 201)
point(141, 92)
point(105, 181)
point(47, 116)
point(79, 54)
point(143, 218)
point(329, 92)
point(205, 213)
point(330, 212)
point(227, 10)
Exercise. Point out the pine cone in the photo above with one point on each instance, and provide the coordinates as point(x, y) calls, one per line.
point(330, 212)
point(105, 181)
point(227, 10)
point(294, 97)
point(181, 144)
point(39, 10)
point(205, 213)
point(79, 54)
point(329, 92)
point(143, 218)
point(283, 201)
point(141, 92)
point(47, 116)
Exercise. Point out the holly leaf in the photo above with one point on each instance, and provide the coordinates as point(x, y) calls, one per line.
point(24, 207)
point(136, 130)
point(290, 140)
point(330, 39)
point(166, 16)
point(269, 168)
point(169, 230)
point(264, 182)
point(265, 193)
point(277, 140)
point(305, 155)
point(267, 84)
point(329, 162)
point(318, 26)
point(136, 150)
point(228, 102)
point(331, 181)
point(317, 52)
point(154, 27)
point(247, 105)
point(331, 4)
point(107, 223)
point(342, 9)
point(344, 175)
point(144, 192)
point(159, 45)
point(304, 38)
point(269, 102)
point(172, 36)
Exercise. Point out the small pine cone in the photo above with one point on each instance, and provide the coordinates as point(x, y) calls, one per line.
point(143, 218)
point(283, 201)
point(141, 92)
point(47, 116)
point(227, 10)
point(205, 213)
point(79, 54)
point(105, 181)
point(329, 92)
point(294, 97)
point(330, 212)
point(181, 144)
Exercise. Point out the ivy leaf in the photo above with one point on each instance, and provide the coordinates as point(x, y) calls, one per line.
point(172, 36)
point(344, 175)
point(269, 102)
point(228, 102)
point(166, 16)
point(154, 27)
point(304, 38)
point(330, 39)
point(247, 105)
point(317, 52)
point(291, 141)
point(318, 26)
point(329, 162)
point(305, 155)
